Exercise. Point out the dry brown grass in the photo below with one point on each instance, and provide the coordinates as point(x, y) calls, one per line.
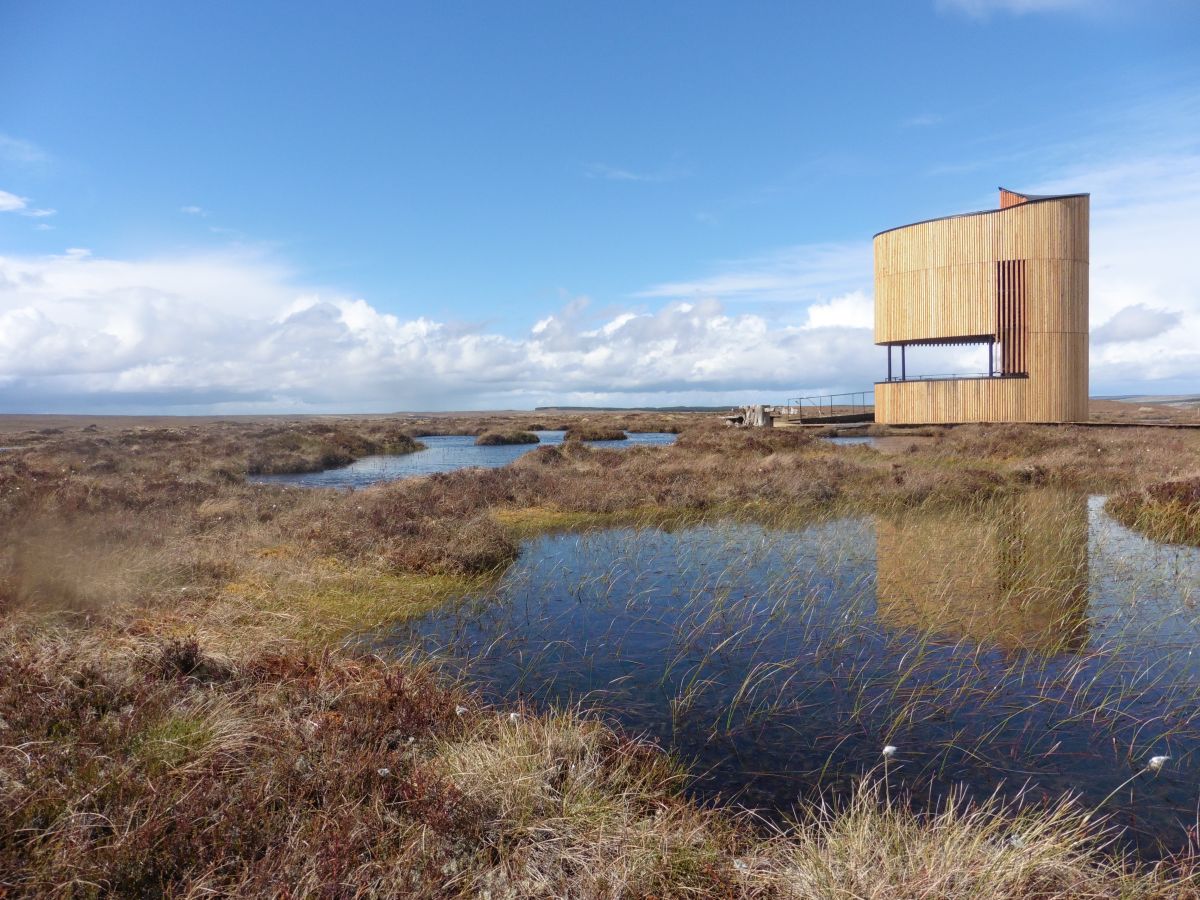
point(876, 849)
point(159, 769)
point(177, 714)
point(595, 433)
point(500, 438)
point(321, 447)
point(1154, 412)
point(1167, 511)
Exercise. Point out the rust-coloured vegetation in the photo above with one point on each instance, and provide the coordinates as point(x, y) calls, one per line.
point(179, 714)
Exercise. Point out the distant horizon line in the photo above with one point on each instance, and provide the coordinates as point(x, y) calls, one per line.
point(1123, 398)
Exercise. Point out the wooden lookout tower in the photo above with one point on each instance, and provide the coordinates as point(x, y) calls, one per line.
point(1013, 278)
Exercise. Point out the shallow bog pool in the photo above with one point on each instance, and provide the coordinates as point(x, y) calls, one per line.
point(442, 453)
point(1029, 645)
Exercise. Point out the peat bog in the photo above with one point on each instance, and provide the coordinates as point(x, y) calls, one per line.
point(471, 680)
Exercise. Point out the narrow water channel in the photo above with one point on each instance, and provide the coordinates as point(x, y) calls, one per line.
point(442, 453)
point(1028, 645)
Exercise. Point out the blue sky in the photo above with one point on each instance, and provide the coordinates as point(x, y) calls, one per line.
point(282, 206)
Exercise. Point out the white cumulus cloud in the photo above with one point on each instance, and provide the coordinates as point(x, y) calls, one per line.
point(237, 331)
point(853, 310)
point(233, 332)
point(11, 202)
point(1135, 323)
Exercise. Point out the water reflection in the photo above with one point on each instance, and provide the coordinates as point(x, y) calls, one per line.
point(1031, 643)
point(1013, 573)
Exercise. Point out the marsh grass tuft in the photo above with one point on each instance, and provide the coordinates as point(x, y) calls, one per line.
point(501, 438)
point(1167, 511)
point(875, 847)
point(595, 433)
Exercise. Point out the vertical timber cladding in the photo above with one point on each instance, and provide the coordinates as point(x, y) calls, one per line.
point(1010, 316)
point(1018, 274)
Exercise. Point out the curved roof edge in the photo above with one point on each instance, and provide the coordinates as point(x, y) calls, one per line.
point(1029, 199)
point(1035, 196)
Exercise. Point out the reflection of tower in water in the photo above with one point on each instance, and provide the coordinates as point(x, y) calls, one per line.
point(1012, 572)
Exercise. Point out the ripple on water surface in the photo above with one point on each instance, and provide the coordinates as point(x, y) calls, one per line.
point(1031, 642)
point(442, 453)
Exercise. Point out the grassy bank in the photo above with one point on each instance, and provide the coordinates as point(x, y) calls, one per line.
point(179, 714)
point(501, 438)
point(318, 447)
point(1167, 511)
point(168, 770)
point(595, 433)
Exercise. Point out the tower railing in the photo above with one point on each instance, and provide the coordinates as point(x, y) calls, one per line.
point(855, 406)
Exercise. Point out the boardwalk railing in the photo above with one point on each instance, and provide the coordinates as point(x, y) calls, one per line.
point(857, 406)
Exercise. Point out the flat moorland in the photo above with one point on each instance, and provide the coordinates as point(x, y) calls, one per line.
point(181, 711)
